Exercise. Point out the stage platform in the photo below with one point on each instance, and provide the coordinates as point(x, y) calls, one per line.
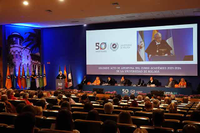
point(127, 90)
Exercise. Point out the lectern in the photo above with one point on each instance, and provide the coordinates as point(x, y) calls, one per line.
point(60, 83)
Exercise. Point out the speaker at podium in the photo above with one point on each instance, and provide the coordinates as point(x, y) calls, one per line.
point(60, 84)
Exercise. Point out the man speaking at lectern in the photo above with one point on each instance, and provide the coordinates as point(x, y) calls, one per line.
point(158, 47)
point(60, 75)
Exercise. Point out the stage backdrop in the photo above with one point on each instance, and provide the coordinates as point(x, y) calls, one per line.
point(1, 57)
point(22, 46)
point(67, 46)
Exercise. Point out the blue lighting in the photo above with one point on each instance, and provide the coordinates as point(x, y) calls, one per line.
point(26, 25)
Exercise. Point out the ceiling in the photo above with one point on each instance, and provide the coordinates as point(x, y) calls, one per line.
point(78, 12)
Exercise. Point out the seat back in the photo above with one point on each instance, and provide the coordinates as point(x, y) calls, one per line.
point(54, 131)
point(2, 107)
point(174, 116)
point(53, 101)
point(172, 123)
point(48, 113)
point(139, 120)
point(7, 118)
point(152, 129)
point(88, 126)
point(77, 109)
point(79, 115)
point(105, 117)
point(144, 113)
point(191, 122)
point(16, 102)
point(126, 128)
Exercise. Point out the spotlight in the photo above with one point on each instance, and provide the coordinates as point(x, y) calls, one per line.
point(25, 3)
point(61, 0)
point(85, 25)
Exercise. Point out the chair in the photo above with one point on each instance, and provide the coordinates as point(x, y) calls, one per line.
point(54, 131)
point(56, 107)
point(105, 117)
point(191, 122)
point(138, 120)
point(3, 127)
point(88, 126)
point(152, 129)
point(135, 108)
point(172, 123)
point(49, 121)
point(34, 100)
point(126, 128)
point(79, 115)
point(16, 102)
point(144, 113)
point(92, 98)
point(76, 99)
point(7, 118)
point(77, 105)
point(53, 101)
point(77, 109)
point(174, 116)
point(2, 107)
point(40, 122)
point(48, 113)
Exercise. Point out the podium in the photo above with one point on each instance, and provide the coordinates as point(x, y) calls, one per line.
point(60, 84)
point(163, 58)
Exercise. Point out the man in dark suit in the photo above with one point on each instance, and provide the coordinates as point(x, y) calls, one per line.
point(125, 82)
point(61, 75)
point(158, 47)
point(171, 82)
point(153, 81)
point(84, 81)
point(111, 81)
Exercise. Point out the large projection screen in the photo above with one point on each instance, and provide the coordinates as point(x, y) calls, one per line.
point(159, 50)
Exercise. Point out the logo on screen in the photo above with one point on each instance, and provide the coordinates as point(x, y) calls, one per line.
point(101, 46)
point(114, 46)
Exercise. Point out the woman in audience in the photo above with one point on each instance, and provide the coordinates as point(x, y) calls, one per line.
point(185, 99)
point(66, 105)
point(158, 118)
point(139, 98)
point(148, 106)
point(124, 117)
point(119, 97)
point(182, 83)
point(9, 107)
point(156, 103)
point(84, 98)
point(132, 97)
point(93, 115)
point(68, 95)
point(134, 104)
point(10, 95)
point(146, 99)
point(25, 98)
point(167, 100)
point(38, 111)
point(64, 121)
point(126, 97)
point(41, 103)
point(19, 107)
point(110, 126)
point(29, 109)
point(172, 108)
point(108, 108)
point(115, 101)
point(88, 106)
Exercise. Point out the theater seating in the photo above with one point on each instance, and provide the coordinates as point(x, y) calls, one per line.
point(34, 100)
point(52, 101)
point(77, 109)
point(88, 126)
point(152, 129)
point(7, 118)
point(144, 113)
point(174, 116)
point(54, 131)
point(48, 113)
point(3, 127)
point(126, 128)
point(137, 120)
point(105, 117)
point(16, 102)
point(79, 115)
point(135, 108)
point(172, 123)
point(191, 122)
point(2, 107)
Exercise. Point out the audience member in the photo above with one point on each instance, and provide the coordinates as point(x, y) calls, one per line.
point(126, 97)
point(139, 98)
point(191, 128)
point(148, 106)
point(88, 106)
point(41, 103)
point(132, 97)
point(9, 107)
point(185, 99)
point(158, 118)
point(25, 98)
point(93, 115)
point(134, 104)
point(19, 107)
point(10, 95)
point(172, 108)
point(115, 101)
point(110, 126)
point(29, 109)
point(156, 103)
point(38, 111)
point(195, 116)
point(167, 100)
point(125, 117)
point(68, 95)
point(66, 105)
point(108, 108)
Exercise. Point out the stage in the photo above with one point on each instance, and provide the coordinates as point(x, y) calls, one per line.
point(127, 90)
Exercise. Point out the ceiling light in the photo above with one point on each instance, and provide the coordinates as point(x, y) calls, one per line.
point(25, 3)
point(117, 7)
point(61, 0)
point(85, 25)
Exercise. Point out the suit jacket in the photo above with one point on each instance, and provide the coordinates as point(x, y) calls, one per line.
point(154, 82)
point(111, 82)
point(84, 82)
point(172, 84)
point(154, 49)
point(61, 76)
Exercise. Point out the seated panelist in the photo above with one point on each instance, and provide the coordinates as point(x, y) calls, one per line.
point(111, 81)
point(125, 82)
point(153, 81)
point(171, 82)
point(84, 81)
point(182, 83)
point(97, 81)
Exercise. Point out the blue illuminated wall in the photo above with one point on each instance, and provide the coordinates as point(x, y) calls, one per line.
point(64, 46)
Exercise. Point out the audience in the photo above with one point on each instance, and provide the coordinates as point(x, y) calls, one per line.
point(93, 115)
point(191, 128)
point(68, 95)
point(38, 111)
point(195, 116)
point(115, 101)
point(132, 97)
point(148, 106)
point(10, 95)
point(125, 117)
point(29, 109)
point(110, 126)
point(156, 103)
point(24, 123)
point(172, 108)
point(9, 107)
point(20, 107)
point(41, 103)
point(167, 100)
point(88, 106)
point(185, 99)
point(64, 121)
point(158, 118)
point(25, 98)
point(139, 98)
point(134, 104)
point(108, 108)
point(66, 105)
